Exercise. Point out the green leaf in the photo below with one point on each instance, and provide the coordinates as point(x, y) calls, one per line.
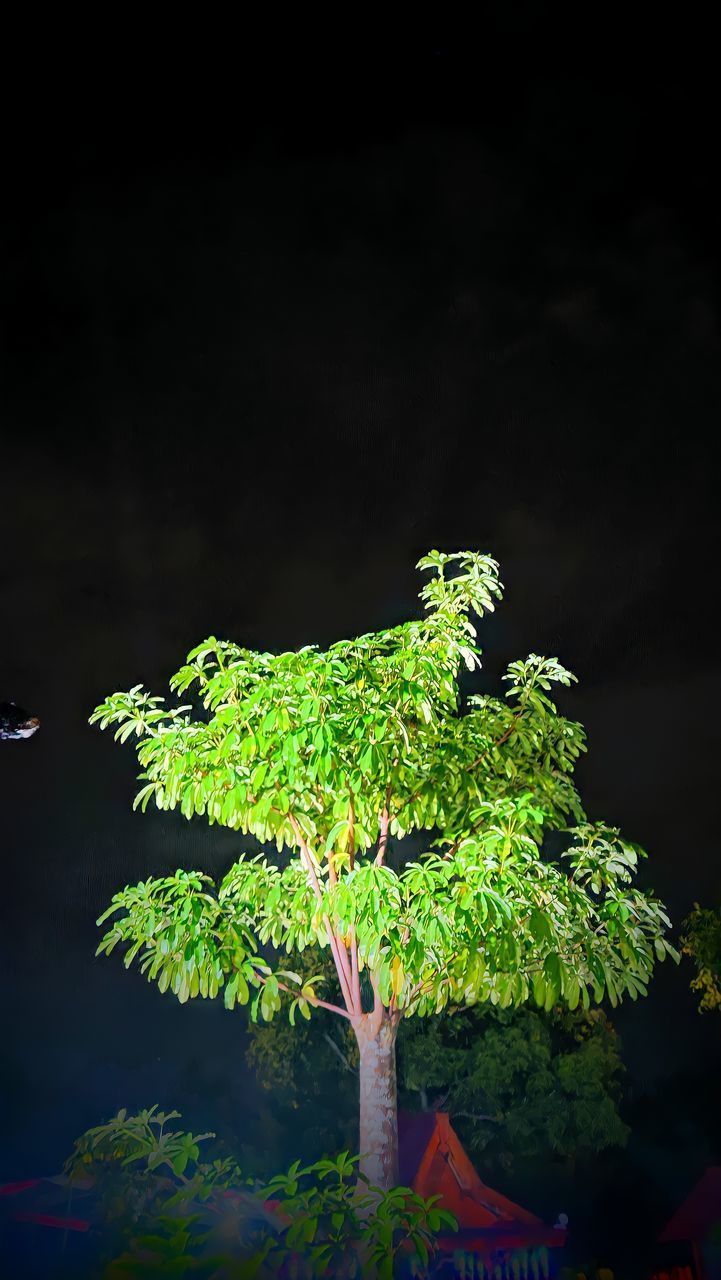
point(230, 992)
point(341, 825)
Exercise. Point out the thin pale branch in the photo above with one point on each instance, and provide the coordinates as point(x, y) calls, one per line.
point(307, 857)
point(332, 1008)
point(476, 1115)
point(377, 1014)
point(384, 823)
point(312, 1000)
point(421, 989)
point(340, 955)
point(351, 831)
point(338, 1052)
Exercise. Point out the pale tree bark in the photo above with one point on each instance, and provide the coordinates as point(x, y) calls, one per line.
point(376, 1035)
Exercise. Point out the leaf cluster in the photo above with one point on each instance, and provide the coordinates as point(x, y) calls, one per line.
point(325, 737)
point(491, 922)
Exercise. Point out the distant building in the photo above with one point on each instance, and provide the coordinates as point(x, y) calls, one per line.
point(495, 1236)
point(694, 1232)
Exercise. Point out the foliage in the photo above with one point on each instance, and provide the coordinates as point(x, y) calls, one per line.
point(520, 1085)
point(180, 1216)
point(146, 1175)
point(331, 1223)
point(171, 1249)
point(701, 941)
point(328, 754)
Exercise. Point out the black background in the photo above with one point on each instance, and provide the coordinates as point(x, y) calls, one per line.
point(264, 344)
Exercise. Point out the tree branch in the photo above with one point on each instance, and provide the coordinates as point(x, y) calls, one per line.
point(342, 964)
point(384, 822)
point(418, 990)
point(474, 764)
point(340, 955)
point(332, 1008)
point(338, 1051)
point(307, 857)
point(377, 1015)
point(317, 1004)
point(475, 1115)
point(351, 832)
point(355, 975)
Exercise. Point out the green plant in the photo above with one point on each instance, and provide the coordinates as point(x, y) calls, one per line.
point(521, 1085)
point(701, 941)
point(334, 1222)
point(170, 1249)
point(146, 1175)
point(332, 755)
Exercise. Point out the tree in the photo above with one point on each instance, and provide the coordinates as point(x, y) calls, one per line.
point(520, 1085)
point(330, 754)
point(701, 941)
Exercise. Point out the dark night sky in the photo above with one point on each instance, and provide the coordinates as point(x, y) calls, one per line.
point(252, 367)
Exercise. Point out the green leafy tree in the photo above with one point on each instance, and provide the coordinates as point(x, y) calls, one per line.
point(328, 755)
point(701, 942)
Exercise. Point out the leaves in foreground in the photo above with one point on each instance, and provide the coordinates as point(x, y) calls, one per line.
point(167, 1212)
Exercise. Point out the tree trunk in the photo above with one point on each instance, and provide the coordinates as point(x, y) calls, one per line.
point(378, 1099)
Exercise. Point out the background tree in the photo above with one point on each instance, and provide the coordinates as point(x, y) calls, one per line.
point(521, 1085)
point(327, 754)
point(701, 941)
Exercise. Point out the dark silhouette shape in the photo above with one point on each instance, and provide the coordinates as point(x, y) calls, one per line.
point(16, 723)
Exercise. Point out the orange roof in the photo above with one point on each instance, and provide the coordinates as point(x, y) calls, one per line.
point(433, 1162)
point(700, 1211)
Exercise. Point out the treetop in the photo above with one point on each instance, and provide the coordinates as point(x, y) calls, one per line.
point(316, 745)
